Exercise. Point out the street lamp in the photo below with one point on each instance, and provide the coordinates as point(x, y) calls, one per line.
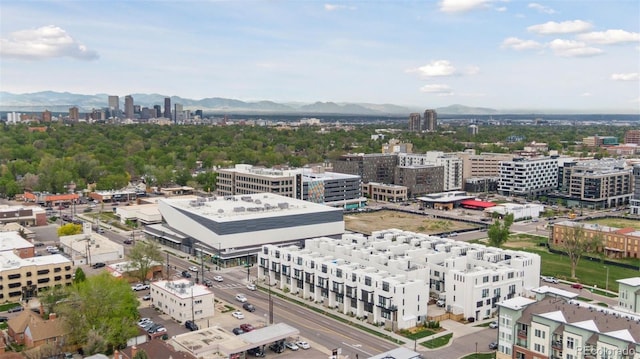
point(607, 282)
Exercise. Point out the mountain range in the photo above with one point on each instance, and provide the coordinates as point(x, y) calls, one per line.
point(62, 101)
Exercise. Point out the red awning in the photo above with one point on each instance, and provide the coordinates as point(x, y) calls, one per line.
point(472, 203)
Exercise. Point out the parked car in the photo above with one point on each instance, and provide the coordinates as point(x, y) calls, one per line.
point(237, 331)
point(218, 278)
point(291, 345)
point(193, 269)
point(303, 345)
point(441, 303)
point(246, 327)
point(147, 297)
point(241, 298)
point(140, 286)
point(3, 319)
point(493, 346)
point(550, 279)
point(15, 309)
point(237, 314)
point(191, 325)
point(207, 282)
point(98, 265)
point(185, 274)
point(251, 286)
point(256, 352)
point(249, 307)
point(493, 325)
point(577, 286)
point(143, 321)
point(128, 241)
point(159, 330)
point(152, 329)
point(277, 347)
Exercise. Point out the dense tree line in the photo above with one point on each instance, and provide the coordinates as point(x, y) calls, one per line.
point(110, 156)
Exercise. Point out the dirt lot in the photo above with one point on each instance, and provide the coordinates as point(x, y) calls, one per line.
point(375, 221)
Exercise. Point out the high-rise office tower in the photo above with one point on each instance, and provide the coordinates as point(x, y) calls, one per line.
point(430, 120)
point(114, 103)
point(74, 113)
point(177, 113)
point(414, 122)
point(167, 107)
point(158, 111)
point(128, 107)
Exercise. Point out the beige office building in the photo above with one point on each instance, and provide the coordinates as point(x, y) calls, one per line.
point(21, 278)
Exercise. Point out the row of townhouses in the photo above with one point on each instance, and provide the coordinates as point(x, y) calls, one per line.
point(389, 277)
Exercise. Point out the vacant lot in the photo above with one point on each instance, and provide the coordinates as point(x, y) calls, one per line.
point(616, 222)
point(375, 221)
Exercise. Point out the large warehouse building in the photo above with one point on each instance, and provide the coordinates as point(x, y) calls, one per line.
point(231, 228)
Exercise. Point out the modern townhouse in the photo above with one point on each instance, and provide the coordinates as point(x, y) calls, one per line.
point(629, 295)
point(388, 277)
point(557, 328)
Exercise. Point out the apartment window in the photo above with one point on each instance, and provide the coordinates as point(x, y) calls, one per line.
point(485, 279)
point(13, 276)
point(479, 304)
point(485, 293)
point(367, 280)
point(539, 348)
point(539, 333)
point(339, 273)
point(385, 286)
point(324, 268)
point(570, 343)
point(496, 278)
point(510, 275)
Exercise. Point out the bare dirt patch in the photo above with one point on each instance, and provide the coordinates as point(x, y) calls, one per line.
point(376, 221)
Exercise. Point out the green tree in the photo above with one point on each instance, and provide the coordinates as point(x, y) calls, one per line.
point(99, 313)
point(79, 276)
point(69, 229)
point(142, 257)
point(499, 231)
point(141, 354)
point(575, 242)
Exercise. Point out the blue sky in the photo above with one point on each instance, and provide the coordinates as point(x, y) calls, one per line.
point(558, 55)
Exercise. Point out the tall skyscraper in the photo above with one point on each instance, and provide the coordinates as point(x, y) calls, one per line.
point(74, 114)
point(177, 113)
point(128, 107)
point(430, 120)
point(114, 103)
point(158, 111)
point(414, 122)
point(167, 107)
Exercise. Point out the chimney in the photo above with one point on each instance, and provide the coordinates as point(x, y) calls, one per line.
point(134, 350)
point(52, 316)
point(41, 310)
point(116, 354)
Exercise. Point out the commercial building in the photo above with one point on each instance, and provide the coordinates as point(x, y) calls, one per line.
point(634, 202)
point(629, 295)
point(452, 164)
point(388, 277)
point(143, 214)
point(519, 211)
point(415, 123)
point(371, 167)
point(183, 300)
point(483, 165)
point(632, 137)
point(528, 177)
point(444, 200)
point(420, 180)
point(114, 104)
point(234, 227)
point(385, 192)
point(23, 215)
point(555, 327)
point(23, 277)
point(597, 141)
point(395, 146)
point(310, 184)
point(618, 242)
point(602, 183)
point(90, 247)
point(13, 242)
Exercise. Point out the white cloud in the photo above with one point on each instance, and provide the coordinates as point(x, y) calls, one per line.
point(519, 44)
point(43, 43)
point(571, 48)
point(333, 7)
point(586, 94)
point(441, 90)
point(501, 9)
point(435, 68)
point(452, 6)
point(610, 37)
point(565, 27)
point(541, 8)
point(631, 76)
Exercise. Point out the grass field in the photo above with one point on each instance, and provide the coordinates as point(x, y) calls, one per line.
point(375, 221)
point(616, 222)
point(437, 342)
point(588, 272)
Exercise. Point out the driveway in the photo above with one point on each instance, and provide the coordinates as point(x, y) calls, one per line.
point(471, 340)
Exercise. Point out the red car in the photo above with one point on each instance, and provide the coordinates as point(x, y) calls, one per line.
point(576, 286)
point(246, 327)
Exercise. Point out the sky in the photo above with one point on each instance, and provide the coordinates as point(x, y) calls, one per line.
point(502, 54)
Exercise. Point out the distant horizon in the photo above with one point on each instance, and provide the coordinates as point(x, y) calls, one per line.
point(556, 56)
point(455, 106)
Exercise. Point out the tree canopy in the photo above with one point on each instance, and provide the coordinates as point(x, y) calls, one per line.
point(142, 257)
point(498, 232)
point(69, 229)
point(576, 242)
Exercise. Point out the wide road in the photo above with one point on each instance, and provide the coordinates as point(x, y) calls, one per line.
point(324, 331)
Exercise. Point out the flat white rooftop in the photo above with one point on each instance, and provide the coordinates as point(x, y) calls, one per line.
point(12, 240)
point(545, 289)
point(516, 303)
point(634, 281)
point(182, 288)
point(8, 260)
point(249, 206)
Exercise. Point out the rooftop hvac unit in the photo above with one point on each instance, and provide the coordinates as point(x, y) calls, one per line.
point(257, 201)
point(238, 209)
point(283, 205)
point(220, 210)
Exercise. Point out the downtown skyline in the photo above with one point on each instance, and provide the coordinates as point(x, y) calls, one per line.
point(558, 55)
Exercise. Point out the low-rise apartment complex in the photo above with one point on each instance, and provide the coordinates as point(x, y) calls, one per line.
point(22, 277)
point(555, 328)
point(388, 277)
point(183, 300)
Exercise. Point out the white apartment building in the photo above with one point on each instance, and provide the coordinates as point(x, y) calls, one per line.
point(629, 295)
point(528, 177)
point(389, 276)
point(182, 299)
point(554, 327)
point(450, 161)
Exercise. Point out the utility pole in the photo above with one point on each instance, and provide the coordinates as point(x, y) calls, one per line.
point(270, 300)
point(168, 267)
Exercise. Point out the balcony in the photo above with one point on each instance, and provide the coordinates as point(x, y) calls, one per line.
point(556, 344)
point(522, 334)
